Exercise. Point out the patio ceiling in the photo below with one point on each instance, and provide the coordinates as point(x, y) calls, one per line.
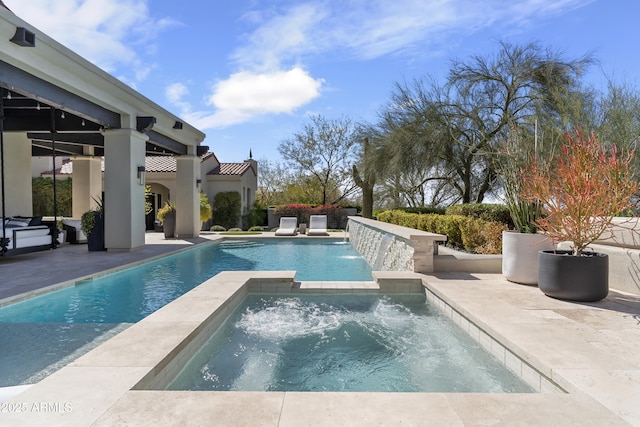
point(52, 116)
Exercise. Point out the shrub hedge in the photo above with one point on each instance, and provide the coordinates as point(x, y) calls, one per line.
point(485, 211)
point(226, 208)
point(463, 232)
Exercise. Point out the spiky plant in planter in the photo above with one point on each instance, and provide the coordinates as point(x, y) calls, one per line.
point(520, 247)
point(581, 190)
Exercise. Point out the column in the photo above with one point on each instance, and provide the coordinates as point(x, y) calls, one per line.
point(124, 152)
point(17, 175)
point(187, 196)
point(86, 184)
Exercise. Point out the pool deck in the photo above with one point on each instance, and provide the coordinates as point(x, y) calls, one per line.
point(590, 350)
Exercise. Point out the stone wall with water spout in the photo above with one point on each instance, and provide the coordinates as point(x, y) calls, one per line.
point(388, 247)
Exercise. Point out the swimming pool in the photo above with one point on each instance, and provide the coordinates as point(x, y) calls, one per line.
point(42, 334)
point(372, 343)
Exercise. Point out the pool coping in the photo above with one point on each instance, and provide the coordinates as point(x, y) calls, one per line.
point(104, 385)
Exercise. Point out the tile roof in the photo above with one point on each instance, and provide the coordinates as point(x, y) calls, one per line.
point(160, 164)
point(65, 169)
point(167, 164)
point(231, 169)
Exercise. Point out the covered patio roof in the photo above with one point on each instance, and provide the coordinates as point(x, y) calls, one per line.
point(54, 94)
point(63, 105)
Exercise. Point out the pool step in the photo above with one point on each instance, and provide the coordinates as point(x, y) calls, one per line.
point(240, 244)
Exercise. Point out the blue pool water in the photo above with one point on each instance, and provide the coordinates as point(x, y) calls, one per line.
point(39, 335)
point(343, 343)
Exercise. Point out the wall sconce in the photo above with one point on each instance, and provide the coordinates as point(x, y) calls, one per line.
point(198, 182)
point(24, 37)
point(141, 175)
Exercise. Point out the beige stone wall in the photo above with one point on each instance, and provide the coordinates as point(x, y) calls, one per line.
point(388, 247)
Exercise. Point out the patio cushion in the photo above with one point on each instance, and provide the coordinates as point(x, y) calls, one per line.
point(17, 222)
point(42, 230)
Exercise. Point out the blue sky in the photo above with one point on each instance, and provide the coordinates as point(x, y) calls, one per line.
point(249, 72)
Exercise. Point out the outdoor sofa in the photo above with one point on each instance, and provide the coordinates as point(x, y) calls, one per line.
point(74, 231)
point(25, 234)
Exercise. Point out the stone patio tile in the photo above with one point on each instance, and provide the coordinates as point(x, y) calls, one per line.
point(367, 409)
point(531, 410)
point(72, 397)
point(187, 408)
point(558, 345)
point(619, 390)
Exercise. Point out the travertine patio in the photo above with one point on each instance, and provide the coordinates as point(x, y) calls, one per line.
point(588, 350)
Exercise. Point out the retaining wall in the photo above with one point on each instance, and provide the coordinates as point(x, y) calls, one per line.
point(388, 247)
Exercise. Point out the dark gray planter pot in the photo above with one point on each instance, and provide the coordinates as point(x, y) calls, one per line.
point(95, 239)
point(169, 226)
point(575, 278)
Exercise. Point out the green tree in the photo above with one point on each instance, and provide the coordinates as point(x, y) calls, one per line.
point(42, 193)
point(618, 118)
point(454, 129)
point(226, 209)
point(325, 151)
point(272, 181)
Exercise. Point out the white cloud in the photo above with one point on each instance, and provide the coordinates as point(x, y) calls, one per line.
point(175, 92)
point(106, 32)
point(245, 95)
point(368, 29)
point(364, 29)
point(281, 37)
point(118, 35)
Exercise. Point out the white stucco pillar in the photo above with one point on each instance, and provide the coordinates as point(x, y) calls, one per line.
point(86, 184)
point(124, 152)
point(187, 196)
point(17, 175)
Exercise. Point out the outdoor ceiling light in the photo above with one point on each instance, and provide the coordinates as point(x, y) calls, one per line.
point(145, 123)
point(141, 175)
point(24, 37)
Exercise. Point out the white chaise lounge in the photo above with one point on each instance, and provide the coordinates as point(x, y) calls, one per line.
point(317, 225)
point(287, 227)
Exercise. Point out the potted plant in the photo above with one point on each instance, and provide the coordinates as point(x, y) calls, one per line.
point(92, 224)
point(167, 216)
point(520, 246)
point(62, 233)
point(205, 208)
point(580, 192)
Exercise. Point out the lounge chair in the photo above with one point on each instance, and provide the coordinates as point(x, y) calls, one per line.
point(287, 227)
point(317, 225)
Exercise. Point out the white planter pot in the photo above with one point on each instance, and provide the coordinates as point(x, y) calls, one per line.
point(520, 256)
